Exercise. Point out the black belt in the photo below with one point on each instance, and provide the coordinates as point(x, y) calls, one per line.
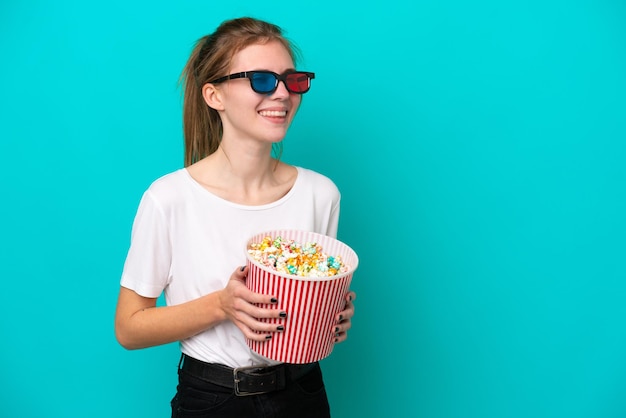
point(249, 380)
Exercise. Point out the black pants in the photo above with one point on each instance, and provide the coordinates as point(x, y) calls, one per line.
point(301, 398)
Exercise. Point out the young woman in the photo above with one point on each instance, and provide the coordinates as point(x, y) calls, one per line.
point(241, 92)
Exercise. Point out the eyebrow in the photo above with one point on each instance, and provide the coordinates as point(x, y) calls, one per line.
point(264, 69)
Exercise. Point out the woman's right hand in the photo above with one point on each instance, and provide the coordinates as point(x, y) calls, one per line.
point(240, 306)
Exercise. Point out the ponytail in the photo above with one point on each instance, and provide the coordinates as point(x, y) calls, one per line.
point(202, 126)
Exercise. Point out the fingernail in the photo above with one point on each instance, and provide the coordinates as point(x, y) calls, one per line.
point(336, 329)
point(274, 300)
point(340, 317)
point(283, 314)
point(280, 328)
point(337, 334)
point(242, 268)
point(336, 340)
point(268, 336)
point(350, 298)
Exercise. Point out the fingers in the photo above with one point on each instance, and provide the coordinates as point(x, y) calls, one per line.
point(341, 330)
point(245, 309)
point(258, 330)
point(238, 288)
point(344, 319)
point(254, 313)
point(249, 321)
point(348, 311)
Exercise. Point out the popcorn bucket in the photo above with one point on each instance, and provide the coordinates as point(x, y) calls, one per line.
point(311, 303)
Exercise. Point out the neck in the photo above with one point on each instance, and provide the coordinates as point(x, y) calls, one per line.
point(247, 175)
point(249, 164)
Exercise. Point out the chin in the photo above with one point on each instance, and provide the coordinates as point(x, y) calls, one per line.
point(274, 139)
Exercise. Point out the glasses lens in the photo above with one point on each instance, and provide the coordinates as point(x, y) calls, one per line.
point(263, 82)
point(298, 82)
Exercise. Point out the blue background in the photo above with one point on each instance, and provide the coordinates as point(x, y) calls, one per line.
point(479, 147)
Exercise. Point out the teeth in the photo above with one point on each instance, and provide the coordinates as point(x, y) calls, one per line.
point(279, 113)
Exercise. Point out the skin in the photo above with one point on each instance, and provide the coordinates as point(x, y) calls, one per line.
point(242, 171)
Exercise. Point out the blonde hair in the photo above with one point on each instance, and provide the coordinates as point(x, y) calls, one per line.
point(210, 59)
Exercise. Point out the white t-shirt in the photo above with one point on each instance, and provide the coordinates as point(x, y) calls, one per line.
point(187, 242)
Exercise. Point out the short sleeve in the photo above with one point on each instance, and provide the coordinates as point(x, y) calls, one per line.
point(147, 265)
point(333, 220)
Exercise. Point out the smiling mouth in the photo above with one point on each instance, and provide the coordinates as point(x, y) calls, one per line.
point(273, 113)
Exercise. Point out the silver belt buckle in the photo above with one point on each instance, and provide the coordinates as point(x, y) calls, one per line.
point(236, 370)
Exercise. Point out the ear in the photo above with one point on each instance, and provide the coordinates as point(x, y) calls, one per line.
point(212, 96)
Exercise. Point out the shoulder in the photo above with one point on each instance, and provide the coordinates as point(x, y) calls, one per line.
point(169, 188)
point(319, 183)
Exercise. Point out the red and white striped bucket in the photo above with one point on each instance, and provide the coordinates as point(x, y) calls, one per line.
point(311, 303)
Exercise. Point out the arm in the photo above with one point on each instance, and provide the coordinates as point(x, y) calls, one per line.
point(139, 323)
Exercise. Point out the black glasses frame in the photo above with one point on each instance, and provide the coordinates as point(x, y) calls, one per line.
point(277, 77)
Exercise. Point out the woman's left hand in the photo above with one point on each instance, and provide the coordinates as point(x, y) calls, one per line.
point(344, 319)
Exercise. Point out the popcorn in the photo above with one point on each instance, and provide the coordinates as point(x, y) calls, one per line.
point(292, 257)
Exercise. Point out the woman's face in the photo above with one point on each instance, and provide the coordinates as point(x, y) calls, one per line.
point(249, 115)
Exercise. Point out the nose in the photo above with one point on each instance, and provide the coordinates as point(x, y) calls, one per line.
point(281, 91)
